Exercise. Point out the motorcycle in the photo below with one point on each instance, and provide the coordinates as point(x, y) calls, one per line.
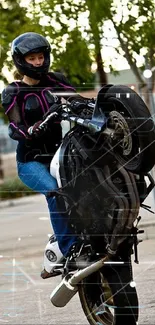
point(102, 169)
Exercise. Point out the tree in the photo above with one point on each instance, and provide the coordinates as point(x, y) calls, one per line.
point(60, 20)
point(132, 21)
point(136, 33)
point(77, 69)
point(14, 21)
point(68, 12)
point(11, 19)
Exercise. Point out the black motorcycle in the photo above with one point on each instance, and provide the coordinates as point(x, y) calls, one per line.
point(103, 164)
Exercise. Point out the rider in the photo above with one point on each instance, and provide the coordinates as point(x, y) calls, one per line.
point(25, 102)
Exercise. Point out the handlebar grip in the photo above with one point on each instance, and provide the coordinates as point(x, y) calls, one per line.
point(49, 117)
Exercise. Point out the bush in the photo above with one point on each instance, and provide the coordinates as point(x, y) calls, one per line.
point(14, 188)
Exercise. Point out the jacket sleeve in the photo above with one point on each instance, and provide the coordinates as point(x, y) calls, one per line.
point(68, 91)
point(17, 129)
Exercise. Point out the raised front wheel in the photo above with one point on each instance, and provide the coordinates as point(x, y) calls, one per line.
point(133, 141)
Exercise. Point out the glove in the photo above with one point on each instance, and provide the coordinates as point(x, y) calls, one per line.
point(37, 130)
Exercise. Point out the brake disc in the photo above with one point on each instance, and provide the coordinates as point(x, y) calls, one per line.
point(122, 131)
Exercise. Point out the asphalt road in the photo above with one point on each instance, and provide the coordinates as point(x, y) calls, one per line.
point(24, 296)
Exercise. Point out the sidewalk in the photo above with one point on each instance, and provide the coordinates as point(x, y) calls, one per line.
point(147, 222)
point(20, 201)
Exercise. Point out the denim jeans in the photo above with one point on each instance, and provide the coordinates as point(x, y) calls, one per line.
point(37, 177)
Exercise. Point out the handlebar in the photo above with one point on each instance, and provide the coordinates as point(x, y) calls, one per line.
point(64, 113)
point(49, 117)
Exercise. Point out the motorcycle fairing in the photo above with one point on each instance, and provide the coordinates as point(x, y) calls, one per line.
point(103, 201)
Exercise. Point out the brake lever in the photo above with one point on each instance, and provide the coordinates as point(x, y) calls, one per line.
point(49, 117)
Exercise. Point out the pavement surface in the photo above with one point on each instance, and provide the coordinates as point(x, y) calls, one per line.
point(24, 296)
point(147, 218)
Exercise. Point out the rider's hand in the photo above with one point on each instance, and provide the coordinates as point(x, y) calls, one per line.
point(37, 129)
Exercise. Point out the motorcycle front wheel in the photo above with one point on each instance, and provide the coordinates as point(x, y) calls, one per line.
point(133, 143)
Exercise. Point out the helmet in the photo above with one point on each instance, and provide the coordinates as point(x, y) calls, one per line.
point(30, 43)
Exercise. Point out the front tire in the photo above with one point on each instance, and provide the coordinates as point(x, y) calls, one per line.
point(136, 150)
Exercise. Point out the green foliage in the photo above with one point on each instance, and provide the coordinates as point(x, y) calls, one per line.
point(66, 13)
point(14, 22)
point(135, 30)
point(75, 61)
point(14, 188)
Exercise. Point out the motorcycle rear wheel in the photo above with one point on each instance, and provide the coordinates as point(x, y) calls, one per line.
point(91, 307)
point(129, 114)
point(108, 297)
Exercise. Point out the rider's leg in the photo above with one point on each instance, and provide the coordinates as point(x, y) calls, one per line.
point(36, 176)
point(63, 232)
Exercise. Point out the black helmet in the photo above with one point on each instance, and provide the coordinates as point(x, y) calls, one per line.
point(30, 43)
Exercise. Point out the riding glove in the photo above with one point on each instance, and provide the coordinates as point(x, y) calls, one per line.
point(37, 129)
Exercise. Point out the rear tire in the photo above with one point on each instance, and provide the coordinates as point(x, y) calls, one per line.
point(89, 293)
point(107, 296)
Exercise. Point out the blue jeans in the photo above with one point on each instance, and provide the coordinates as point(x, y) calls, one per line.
point(36, 176)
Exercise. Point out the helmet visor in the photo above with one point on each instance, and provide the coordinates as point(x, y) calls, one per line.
point(30, 43)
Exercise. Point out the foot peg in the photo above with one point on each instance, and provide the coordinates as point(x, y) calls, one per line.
point(45, 275)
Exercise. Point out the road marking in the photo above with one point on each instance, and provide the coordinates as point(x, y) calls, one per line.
point(112, 262)
point(43, 218)
point(26, 275)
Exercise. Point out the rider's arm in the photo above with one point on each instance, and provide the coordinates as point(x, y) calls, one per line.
point(17, 129)
point(78, 102)
point(69, 93)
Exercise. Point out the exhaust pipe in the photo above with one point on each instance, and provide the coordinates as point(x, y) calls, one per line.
point(68, 287)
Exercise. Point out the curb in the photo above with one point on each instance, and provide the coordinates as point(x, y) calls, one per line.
point(149, 230)
point(19, 201)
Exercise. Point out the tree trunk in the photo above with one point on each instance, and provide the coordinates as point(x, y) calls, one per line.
point(101, 73)
point(145, 86)
point(96, 35)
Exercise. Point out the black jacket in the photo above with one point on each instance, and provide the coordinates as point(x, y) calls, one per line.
point(25, 105)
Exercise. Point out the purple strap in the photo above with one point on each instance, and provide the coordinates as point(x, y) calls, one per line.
point(41, 104)
point(12, 104)
point(65, 86)
point(50, 88)
point(14, 100)
point(18, 129)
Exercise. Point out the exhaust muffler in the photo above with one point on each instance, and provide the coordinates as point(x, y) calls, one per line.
point(68, 287)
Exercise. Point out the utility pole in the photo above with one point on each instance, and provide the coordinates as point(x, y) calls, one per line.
point(147, 73)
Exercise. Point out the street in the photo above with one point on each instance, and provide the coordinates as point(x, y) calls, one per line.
point(24, 296)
